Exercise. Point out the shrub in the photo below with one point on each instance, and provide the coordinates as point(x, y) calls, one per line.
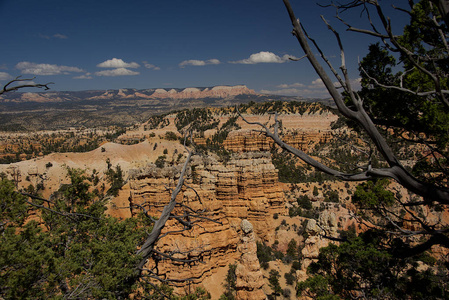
point(264, 254)
point(331, 196)
point(160, 161)
point(304, 202)
point(170, 136)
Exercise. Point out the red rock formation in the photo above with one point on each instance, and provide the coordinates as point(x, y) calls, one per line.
point(245, 188)
point(187, 93)
point(249, 276)
point(248, 141)
point(196, 93)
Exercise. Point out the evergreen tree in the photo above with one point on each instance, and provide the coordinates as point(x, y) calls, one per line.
point(70, 248)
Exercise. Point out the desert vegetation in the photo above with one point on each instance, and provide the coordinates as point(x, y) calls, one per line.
point(354, 206)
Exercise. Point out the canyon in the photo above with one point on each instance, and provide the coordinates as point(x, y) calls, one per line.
point(244, 188)
point(238, 199)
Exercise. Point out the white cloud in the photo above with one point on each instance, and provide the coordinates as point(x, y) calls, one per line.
point(56, 36)
point(5, 76)
point(264, 57)
point(30, 82)
point(85, 76)
point(117, 63)
point(317, 83)
point(47, 37)
point(45, 69)
point(150, 66)
point(293, 85)
point(194, 62)
point(60, 36)
point(117, 72)
point(285, 92)
point(315, 89)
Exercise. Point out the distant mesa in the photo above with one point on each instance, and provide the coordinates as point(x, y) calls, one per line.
point(134, 94)
point(186, 93)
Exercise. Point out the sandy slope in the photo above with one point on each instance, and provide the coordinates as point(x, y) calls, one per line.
point(127, 156)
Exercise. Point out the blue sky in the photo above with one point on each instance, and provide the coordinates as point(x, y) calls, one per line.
point(96, 44)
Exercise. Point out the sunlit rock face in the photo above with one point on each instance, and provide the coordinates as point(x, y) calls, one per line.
point(249, 275)
point(246, 187)
point(197, 93)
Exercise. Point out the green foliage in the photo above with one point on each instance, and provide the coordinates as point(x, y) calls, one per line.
point(304, 202)
point(273, 280)
point(264, 254)
point(230, 283)
point(75, 251)
point(422, 119)
point(158, 121)
point(368, 264)
point(215, 142)
point(292, 250)
point(289, 278)
point(13, 206)
point(115, 178)
point(331, 196)
point(318, 286)
point(410, 112)
point(372, 194)
point(286, 164)
point(349, 234)
point(170, 136)
point(292, 107)
point(160, 161)
point(304, 208)
point(200, 119)
point(199, 294)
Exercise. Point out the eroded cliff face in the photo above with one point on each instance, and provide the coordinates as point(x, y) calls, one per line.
point(196, 93)
point(246, 187)
point(249, 281)
point(249, 141)
point(187, 93)
point(220, 91)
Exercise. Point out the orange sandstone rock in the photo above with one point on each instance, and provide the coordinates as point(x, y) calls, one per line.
point(249, 276)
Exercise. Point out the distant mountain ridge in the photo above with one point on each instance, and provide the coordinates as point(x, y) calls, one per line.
point(221, 91)
point(122, 107)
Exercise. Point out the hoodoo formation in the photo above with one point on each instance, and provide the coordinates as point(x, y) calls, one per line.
point(246, 216)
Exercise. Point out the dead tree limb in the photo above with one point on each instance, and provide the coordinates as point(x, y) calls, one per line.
point(8, 88)
point(395, 169)
point(147, 248)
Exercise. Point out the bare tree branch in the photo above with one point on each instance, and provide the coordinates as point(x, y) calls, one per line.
point(400, 88)
point(8, 88)
point(147, 248)
point(395, 169)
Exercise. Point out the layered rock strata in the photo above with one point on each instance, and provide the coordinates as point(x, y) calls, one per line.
point(245, 188)
point(249, 141)
point(197, 93)
point(149, 94)
point(249, 275)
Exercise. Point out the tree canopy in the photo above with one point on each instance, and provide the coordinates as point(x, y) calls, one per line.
point(67, 249)
point(402, 114)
